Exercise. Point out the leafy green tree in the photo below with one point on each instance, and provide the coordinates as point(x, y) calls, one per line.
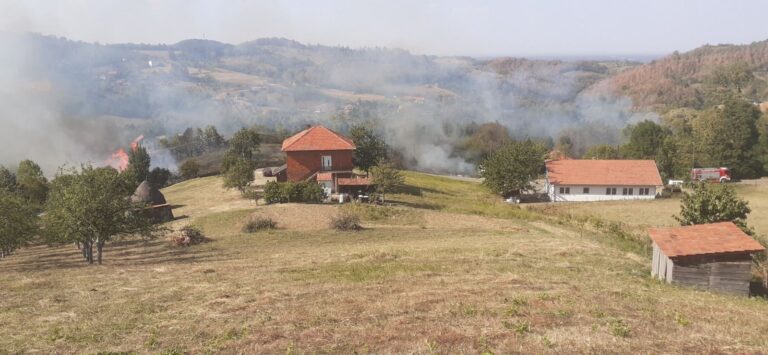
point(513, 168)
point(18, 222)
point(386, 178)
point(31, 182)
point(190, 169)
point(159, 177)
point(370, 150)
point(91, 207)
point(645, 140)
point(484, 140)
point(240, 159)
point(711, 203)
point(138, 166)
point(602, 152)
point(728, 136)
point(212, 139)
point(7, 179)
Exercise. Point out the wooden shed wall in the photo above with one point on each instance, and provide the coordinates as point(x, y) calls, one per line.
point(724, 273)
point(726, 277)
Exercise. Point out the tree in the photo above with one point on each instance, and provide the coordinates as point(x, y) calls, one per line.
point(713, 203)
point(564, 146)
point(602, 151)
point(190, 169)
point(158, 177)
point(728, 136)
point(18, 222)
point(645, 140)
point(484, 140)
point(386, 178)
point(138, 165)
point(370, 150)
point(513, 169)
point(212, 139)
point(7, 179)
point(31, 182)
point(240, 159)
point(90, 207)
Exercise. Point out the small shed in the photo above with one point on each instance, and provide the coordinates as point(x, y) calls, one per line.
point(715, 257)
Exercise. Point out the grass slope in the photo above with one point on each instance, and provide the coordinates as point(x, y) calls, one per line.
point(464, 273)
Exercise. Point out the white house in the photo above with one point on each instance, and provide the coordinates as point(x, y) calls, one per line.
point(599, 180)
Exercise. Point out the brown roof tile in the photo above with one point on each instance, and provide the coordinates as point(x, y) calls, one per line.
point(317, 138)
point(704, 239)
point(603, 172)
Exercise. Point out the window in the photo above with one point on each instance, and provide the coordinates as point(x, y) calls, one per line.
point(327, 163)
point(627, 191)
point(610, 191)
point(565, 190)
point(644, 191)
point(586, 190)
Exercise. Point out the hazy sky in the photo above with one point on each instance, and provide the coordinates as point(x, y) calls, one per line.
point(451, 27)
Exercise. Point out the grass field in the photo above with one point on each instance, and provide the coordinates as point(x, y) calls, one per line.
point(448, 269)
point(660, 212)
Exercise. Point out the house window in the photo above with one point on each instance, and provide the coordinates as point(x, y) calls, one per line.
point(644, 191)
point(327, 163)
point(586, 190)
point(610, 191)
point(565, 190)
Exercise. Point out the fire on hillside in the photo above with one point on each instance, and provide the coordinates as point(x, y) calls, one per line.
point(119, 159)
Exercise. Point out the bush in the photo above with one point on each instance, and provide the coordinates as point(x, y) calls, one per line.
point(283, 192)
point(345, 221)
point(190, 169)
point(186, 236)
point(259, 224)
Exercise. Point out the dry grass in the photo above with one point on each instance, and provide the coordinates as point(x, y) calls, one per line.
point(659, 212)
point(528, 287)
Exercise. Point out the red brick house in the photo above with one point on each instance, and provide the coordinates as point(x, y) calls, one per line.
point(320, 154)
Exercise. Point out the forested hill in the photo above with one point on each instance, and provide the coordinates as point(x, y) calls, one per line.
point(696, 79)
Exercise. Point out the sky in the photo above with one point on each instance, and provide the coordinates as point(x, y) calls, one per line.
point(449, 27)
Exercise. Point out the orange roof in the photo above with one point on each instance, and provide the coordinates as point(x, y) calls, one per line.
point(603, 172)
point(704, 239)
point(324, 176)
point(317, 138)
point(358, 181)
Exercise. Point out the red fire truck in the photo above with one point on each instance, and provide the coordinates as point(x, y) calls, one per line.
point(720, 175)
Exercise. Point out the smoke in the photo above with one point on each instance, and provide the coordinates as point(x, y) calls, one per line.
point(66, 102)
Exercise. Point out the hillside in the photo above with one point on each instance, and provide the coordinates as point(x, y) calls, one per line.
point(685, 79)
point(449, 269)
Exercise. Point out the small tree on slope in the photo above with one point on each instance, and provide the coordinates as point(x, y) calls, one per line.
point(91, 207)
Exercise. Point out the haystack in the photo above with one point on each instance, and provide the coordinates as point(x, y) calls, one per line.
point(157, 207)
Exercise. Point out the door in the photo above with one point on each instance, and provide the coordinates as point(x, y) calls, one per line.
point(326, 162)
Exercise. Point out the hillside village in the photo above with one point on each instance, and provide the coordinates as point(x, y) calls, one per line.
point(224, 195)
point(250, 269)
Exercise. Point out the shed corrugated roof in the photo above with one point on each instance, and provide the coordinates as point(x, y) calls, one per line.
point(704, 239)
point(317, 138)
point(603, 172)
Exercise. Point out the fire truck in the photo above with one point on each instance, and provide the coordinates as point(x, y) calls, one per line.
point(720, 175)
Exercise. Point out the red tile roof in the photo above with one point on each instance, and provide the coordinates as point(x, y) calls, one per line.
point(317, 138)
point(358, 181)
point(704, 239)
point(603, 172)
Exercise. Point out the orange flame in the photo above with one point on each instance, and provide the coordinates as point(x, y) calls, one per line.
point(119, 159)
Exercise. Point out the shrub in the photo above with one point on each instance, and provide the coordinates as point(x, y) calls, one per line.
point(186, 236)
point(283, 192)
point(345, 221)
point(259, 224)
point(190, 169)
